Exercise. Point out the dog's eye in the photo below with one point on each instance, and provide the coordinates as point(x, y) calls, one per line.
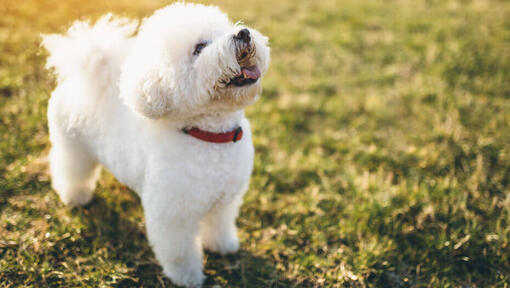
point(199, 47)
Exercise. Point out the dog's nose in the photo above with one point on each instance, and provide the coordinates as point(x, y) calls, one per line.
point(243, 35)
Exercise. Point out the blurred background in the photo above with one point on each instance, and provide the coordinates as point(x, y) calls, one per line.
point(382, 152)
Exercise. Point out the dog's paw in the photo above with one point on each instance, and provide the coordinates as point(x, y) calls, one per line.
point(225, 244)
point(184, 275)
point(76, 196)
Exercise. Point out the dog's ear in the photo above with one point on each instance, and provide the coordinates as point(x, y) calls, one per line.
point(147, 90)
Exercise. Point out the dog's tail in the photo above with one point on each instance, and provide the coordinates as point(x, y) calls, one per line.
point(93, 51)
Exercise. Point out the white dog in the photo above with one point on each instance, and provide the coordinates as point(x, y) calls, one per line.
point(163, 111)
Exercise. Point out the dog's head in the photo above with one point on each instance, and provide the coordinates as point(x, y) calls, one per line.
point(189, 59)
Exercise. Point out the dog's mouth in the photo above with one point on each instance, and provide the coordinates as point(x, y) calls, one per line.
point(248, 76)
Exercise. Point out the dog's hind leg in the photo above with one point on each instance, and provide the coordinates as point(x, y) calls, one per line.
point(74, 173)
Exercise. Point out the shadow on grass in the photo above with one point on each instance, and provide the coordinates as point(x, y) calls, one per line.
point(126, 245)
point(427, 247)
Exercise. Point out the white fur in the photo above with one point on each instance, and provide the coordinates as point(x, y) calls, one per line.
point(122, 100)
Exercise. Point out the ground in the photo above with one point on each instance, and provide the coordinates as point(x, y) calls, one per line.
point(382, 152)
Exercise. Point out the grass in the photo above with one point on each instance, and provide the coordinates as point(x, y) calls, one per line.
point(382, 153)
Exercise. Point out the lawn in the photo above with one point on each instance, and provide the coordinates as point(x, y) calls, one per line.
point(382, 152)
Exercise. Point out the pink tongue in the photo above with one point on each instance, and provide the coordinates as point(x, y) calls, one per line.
point(252, 72)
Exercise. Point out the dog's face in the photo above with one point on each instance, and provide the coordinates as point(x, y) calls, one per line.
point(189, 60)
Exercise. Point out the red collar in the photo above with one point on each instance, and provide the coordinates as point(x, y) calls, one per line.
point(231, 136)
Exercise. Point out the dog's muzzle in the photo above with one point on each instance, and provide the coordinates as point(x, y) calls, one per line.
point(245, 55)
point(245, 48)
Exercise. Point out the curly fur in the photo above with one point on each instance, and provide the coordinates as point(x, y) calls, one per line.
point(122, 98)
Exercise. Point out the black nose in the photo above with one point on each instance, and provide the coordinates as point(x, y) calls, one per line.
point(243, 35)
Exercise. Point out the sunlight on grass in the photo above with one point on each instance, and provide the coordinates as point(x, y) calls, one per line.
point(382, 152)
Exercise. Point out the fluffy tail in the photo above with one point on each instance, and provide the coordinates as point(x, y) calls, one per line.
point(93, 51)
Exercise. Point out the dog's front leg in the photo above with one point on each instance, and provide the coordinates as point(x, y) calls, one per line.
point(218, 232)
point(173, 234)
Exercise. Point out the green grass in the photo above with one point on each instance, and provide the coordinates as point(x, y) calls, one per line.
point(382, 153)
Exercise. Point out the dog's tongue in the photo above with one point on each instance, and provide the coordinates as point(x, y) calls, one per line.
point(251, 72)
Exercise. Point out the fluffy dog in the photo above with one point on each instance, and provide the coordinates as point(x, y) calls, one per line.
point(161, 107)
